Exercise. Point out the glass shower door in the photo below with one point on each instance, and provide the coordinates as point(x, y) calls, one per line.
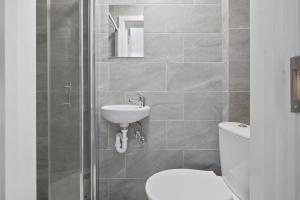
point(68, 103)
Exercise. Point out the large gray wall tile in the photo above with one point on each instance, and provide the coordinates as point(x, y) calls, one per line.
point(153, 131)
point(102, 189)
point(196, 76)
point(63, 48)
point(102, 134)
point(239, 107)
point(116, 2)
point(131, 189)
point(192, 135)
point(239, 13)
point(59, 2)
point(61, 112)
point(111, 164)
point(101, 19)
point(164, 47)
point(203, 106)
point(239, 44)
point(203, 48)
point(226, 106)
point(62, 135)
point(137, 76)
point(183, 18)
point(64, 18)
point(239, 73)
point(122, 2)
point(66, 188)
point(142, 164)
point(101, 47)
point(225, 15)
point(164, 105)
point(225, 46)
point(164, 1)
point(207, 1)
point(109, 98)
point(64, 161)
point(113, 129)
point(101, 71)
point(203, 160)
point(64, 33)
point(63, 72)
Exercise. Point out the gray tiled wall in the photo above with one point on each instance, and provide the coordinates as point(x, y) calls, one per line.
point(186, 79)
point(236, 55)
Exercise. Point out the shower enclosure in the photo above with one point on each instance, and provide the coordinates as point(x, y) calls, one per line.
point(70, 99)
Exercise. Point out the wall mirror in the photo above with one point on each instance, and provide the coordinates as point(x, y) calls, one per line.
point(126, 30)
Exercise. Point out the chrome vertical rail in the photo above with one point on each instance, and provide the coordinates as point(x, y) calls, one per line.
point(92, 96)
point(81, 98)
point(48, 93)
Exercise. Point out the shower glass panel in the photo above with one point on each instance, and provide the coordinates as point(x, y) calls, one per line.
point(68, 97)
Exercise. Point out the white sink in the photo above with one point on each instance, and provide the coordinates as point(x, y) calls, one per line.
point(124, 114)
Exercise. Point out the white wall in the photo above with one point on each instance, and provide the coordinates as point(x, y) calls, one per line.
point(2, 128)
point(275, 37)
point(297, 122)
point(20, 100)
point(298, 159)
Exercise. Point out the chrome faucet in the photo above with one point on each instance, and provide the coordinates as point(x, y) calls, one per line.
point(141, 101)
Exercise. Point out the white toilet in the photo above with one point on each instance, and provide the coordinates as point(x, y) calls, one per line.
point(188, 184)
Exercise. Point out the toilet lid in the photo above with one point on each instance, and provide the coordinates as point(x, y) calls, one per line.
point(187, 184)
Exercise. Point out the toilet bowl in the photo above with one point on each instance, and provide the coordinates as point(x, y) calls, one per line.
point(189, 184)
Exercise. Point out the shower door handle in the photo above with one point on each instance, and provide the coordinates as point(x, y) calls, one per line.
point(68, 87)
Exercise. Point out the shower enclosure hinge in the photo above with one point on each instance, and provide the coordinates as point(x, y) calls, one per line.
point(68, 87)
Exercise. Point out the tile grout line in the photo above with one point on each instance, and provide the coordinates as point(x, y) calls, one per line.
point(169, 91)
point(121, 179)
point(160, 4)
point(166, 77)
point(136, 62)
point(164, 149)
point(181, 120)
point(182, 33)
point(166, 135)
point(183, 107)
point(183, 162)
point(239, 28)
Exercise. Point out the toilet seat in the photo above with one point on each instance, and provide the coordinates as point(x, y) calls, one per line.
point(187, 184)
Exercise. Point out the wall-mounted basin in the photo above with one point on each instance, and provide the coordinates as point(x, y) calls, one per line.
point(124, 114)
